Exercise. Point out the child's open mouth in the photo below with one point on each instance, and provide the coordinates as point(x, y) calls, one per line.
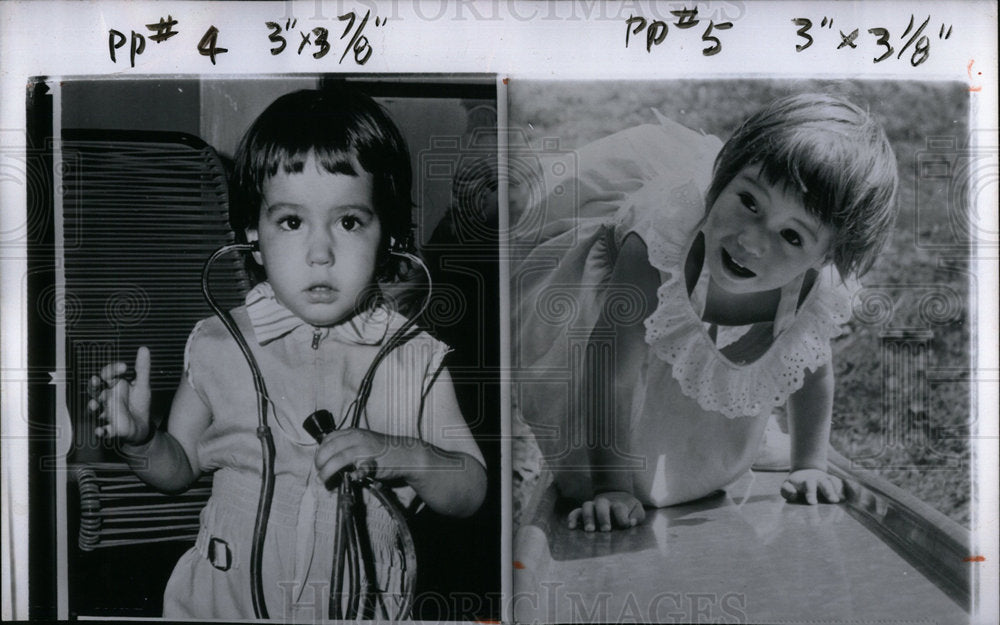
point(735, 267)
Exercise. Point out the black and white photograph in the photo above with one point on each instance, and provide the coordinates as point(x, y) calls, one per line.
point(257, 425)
point(509, 311)
point(741, 314)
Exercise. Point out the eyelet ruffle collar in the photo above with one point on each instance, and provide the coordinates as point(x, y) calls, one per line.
point(676, 334)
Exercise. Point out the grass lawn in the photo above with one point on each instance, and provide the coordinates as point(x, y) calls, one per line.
point(902, 406)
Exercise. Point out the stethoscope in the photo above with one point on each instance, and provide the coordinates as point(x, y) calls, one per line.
point(350, 549)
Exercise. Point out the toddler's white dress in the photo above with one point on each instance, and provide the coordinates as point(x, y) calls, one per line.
point(699, 407)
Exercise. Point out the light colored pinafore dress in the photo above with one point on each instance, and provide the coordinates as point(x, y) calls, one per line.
point(699, 407)
point(304, 369)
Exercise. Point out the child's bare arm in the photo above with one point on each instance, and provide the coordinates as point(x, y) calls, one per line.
point(165, 460)
point(445, 469)
point(810, 412)
point(614, 504)
point(173, 455)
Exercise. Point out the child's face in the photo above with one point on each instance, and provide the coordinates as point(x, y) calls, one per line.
point(758, 237)
point(319, 238)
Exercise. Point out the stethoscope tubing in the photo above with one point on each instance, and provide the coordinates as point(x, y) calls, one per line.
point(346, 539)
point(263, 434)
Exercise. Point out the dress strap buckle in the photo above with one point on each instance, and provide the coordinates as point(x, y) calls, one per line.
point(219, 554)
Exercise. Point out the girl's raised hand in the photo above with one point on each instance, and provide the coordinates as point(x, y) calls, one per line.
point(808, 483)
point(122, 405)
point(612, 509)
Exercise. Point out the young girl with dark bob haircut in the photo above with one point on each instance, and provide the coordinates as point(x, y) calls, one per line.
point(323, 187)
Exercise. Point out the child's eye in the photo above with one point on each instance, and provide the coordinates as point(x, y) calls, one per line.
point(291, 222)
point(350, 222)
point(749, 201)
point(792, 237)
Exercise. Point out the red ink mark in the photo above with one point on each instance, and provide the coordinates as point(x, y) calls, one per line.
point(490, 622)
point(968, 69)
point(518, 565)
point(975, 559)
point(506, 80)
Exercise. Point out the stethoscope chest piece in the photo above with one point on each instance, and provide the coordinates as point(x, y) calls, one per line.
point(319, 424)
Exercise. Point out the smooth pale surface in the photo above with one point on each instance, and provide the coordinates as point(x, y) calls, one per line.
point(740, 556)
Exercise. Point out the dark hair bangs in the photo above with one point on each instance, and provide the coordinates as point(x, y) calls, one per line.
point(346, 132)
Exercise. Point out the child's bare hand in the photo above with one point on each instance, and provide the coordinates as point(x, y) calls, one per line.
point(365, 453)
point(613, 509)
point(122, 406)
point(808, 483)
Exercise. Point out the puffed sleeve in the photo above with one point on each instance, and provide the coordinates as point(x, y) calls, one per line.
point(194, 355)
point(441, 421)
point(596, 180)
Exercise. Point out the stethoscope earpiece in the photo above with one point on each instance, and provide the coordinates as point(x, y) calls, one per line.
point(401, 246)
